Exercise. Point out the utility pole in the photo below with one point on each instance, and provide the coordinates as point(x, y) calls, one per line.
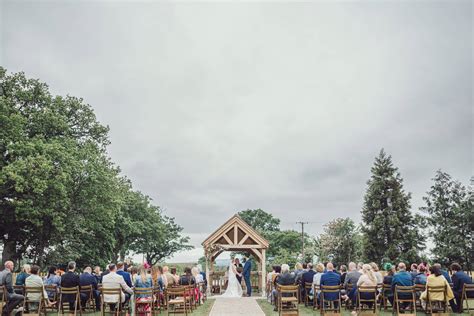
point(302, 237)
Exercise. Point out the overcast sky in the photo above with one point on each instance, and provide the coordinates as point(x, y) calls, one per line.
point(218, 107)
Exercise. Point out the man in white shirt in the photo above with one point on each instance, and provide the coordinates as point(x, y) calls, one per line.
point(114, 281)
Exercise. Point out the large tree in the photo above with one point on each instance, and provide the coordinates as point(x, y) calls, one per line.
point(389, 228)
point(260, 220)
point(340, 241)
point(450, 216)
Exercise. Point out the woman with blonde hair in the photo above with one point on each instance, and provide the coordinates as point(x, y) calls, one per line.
point(143, 280)
point(317, 277)
point(367, 279)
point(378, 275)
point(157, 277)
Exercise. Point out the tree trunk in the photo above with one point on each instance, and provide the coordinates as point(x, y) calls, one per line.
point(9, 250)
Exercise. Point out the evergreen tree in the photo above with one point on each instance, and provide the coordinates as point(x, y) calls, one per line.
point(450, 218)
point(389, 228)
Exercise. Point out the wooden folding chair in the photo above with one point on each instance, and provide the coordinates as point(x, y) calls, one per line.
point(157, 294)
point(144, 297)
point(177, 300)
point(115, 306)
point(307, 288)
point(70, 292)
point(467, 294)
point(19, 289)
point(288, 298)
point(315, 296)
point(419, 288)
point(407, 296)
point(327, 289)
point(364, 291)
point(384, 294)
point(441, 305)
point(27, 301)
point(348, 304)
point(3, 297)
point(89, 304)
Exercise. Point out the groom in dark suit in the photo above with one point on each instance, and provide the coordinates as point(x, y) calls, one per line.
point(246, 275)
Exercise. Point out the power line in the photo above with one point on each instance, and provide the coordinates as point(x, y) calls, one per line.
point(302, 237)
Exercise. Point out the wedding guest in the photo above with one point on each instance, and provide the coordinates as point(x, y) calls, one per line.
point(359, 267)
point(307, 277)
point(197, 276)
point(97, 274)
point(414, 270)
point(6, 279)
point(367, 278)
point(317, 276)
point(401, 278)
point(21, 277)
point(436, 278)
point(420, 277)
point(70, 279)
point(34, 280)
point(170, 279)
point(133, 273)
point(126, 276)
point(387, 279)
point(86, 279)
point(343, 272)
point(157, 277)
point(330, 278)
point(376, 272)
point(459, 279)
point(175, 275)
point(284, 278)
point(52, 278)
point(143, 280)
point(112, 280)
point(444, 273)
point(352, 276)
point(187, 278)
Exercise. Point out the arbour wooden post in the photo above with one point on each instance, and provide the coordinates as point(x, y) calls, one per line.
point(236, 235)
point(264, 273)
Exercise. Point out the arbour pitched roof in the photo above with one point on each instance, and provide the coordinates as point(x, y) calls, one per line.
point(236, 233)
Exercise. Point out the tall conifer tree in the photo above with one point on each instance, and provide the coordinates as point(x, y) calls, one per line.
point(389, 229)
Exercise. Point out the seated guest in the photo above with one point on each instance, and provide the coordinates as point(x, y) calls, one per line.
point(307, 277)
point(187, 278)
point(298, 270)
point(126, 276)
point(97, 274)
point(343, 272)
point(70, 279)
point(317, 276)
point(420, 277)
point(112, 280)
point(52, 279)
point(367, 278)
point(197, 276)
point(284, 278)
point(159, 281)
point(170, 279)
point(414, 270)
point(133, 273)
point(330, 278)
point(34, 280)
point(401, 278)
point(459, 279)
point(359, 267)
point(86, 279)
point(436, 278)
point(106, 271)
point(175, 275)
point(375, 270)
point(143, 280)
point(21, 277)
point(444, 273)
point(387, 279)
point(6, 280)
point(352, 276)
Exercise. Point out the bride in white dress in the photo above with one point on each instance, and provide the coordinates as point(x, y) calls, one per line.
point(234, 289)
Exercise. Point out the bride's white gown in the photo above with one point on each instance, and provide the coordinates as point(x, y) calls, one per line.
point(234, 289)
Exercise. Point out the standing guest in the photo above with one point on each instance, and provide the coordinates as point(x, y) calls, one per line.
point(187, 278)
point(343, 272)
point(436, 278)
point(420, 278)
point(86, 279)
point(21, 277)
point(70, 279)
point(376, 272)
point(444, 273)
point(284, 278)
point(352, 276)
point(459, 279)
point(113, 280)
point(97, 274)
point(34, 280)
point(414, 270)
point(401, 278)
point(126, 276)
point(13, 299)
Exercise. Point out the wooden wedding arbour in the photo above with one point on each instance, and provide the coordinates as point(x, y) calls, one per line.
point(236, 235)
